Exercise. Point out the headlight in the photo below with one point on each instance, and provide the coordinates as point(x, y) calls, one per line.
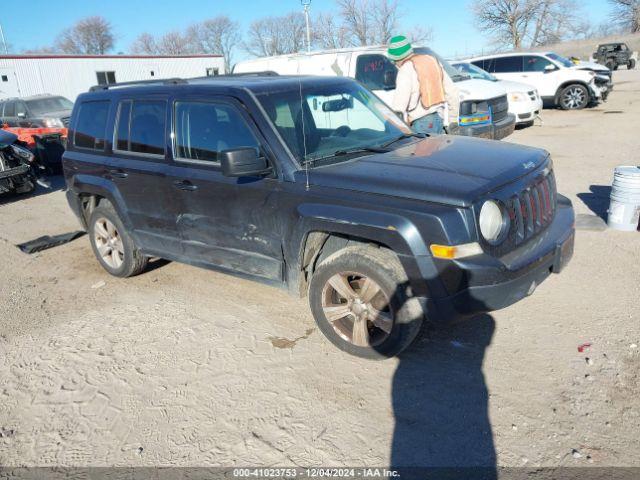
point(53, 123)
point(494, 222)
point(518, 96)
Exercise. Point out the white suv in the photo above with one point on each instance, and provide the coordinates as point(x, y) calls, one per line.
point(557, 80)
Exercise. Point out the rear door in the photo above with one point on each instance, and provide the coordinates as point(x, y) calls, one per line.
point(230, 223)
point(138, 168)
point(506, 68)
point(9, 114)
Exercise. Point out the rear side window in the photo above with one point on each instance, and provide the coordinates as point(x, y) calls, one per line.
point(205, 129)
point(370, 70)
point(504, 65)
point(91, 125)
point(534, 63)
point(140, 127)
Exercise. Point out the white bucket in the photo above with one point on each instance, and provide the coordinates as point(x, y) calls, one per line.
point(624, 208)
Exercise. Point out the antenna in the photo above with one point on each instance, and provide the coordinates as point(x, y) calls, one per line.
point(304, 138)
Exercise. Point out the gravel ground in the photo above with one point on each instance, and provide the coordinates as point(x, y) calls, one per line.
point(183, 366)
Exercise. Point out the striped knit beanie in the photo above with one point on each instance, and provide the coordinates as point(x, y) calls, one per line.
point(399, 48)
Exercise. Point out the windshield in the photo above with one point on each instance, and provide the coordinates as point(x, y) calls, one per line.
point(455, 74)
point(42, 106)
point(474, 72)
point(327, 121)
point(560, 59)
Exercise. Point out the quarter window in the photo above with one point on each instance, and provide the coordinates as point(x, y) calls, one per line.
point(370, 71)
point(141, 127)
point(205, 129)
point(91, 125)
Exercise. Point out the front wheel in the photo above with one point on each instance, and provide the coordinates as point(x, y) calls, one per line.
point(631, 65)
point(574, 97)
point(361, 301)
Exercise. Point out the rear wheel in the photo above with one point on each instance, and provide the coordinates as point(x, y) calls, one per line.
point(112, 245)
point(574, 97)
point(360, 299)
point(631, 64)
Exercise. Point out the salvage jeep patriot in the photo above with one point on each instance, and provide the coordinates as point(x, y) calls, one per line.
point(314, 184)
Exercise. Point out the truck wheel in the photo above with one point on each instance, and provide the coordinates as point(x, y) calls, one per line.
point(631, 64)
point(610, 65)
point(360, 299)
point(112, 245)
point(28, 186)
point(574, 97)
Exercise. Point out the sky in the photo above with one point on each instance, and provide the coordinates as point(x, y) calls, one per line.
point(37, 26)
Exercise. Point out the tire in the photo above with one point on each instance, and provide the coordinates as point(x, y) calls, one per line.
point(574, 97)
point(27, 186)
point(615, 66)
point(610, 65)
point(112, 245)
point(631, 64)
point(400, 315)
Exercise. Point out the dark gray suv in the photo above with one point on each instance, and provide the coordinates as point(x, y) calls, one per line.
point(314, 185)
point(49, 111)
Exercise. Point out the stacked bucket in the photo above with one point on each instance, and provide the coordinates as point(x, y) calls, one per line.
point(624, 209)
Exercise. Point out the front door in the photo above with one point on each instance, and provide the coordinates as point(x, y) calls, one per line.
point(371, 71)
point(230, 223)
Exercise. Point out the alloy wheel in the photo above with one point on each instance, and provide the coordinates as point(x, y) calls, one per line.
point(574, 97)
point(108, 242)
point(357, 308)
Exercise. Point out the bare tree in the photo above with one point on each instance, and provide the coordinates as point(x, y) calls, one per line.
point(218, 35)
point(276, 35)
point(554, 21)
point(507, 20)
point(174, 43)
point(145, 44)
point(89, 36)
point(627, 12)
point(369, 22)
point(329, 33)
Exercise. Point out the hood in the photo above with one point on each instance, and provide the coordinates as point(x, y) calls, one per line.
point(475, 89)
point(596, 67)
point(511, 87)
point(56, 114)
point(446, 169)
point(7, 138)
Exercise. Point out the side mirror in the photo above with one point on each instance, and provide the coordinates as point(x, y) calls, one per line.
point(390, 79)
point(243, 162)
point(549, 68)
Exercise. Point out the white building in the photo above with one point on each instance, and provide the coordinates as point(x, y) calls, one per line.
point(70, 75)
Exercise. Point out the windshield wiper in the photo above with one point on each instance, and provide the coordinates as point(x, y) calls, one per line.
point(402, 137)
point(340, 153)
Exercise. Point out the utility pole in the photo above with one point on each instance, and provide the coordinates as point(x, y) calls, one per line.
point(4, 44)
point(306, 4)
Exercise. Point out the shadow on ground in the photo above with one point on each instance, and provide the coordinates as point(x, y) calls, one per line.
point(597, 199)
point(440, 402)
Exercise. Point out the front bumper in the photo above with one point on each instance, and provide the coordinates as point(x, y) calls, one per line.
point(493, 131)
point(15, 172)
point(484, 283)
point(526, 111)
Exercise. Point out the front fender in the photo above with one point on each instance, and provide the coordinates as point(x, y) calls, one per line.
point(394, 231)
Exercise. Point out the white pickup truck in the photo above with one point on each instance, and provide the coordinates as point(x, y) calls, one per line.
point(484, 108)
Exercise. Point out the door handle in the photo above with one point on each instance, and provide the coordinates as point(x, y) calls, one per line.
point(117, 173)
point(185, 185)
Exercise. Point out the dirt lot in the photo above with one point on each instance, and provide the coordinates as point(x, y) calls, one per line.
point(183, 366)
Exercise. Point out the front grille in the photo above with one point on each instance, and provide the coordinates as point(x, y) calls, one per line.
point(499, 107)
point(530, 211)
point(65, 121)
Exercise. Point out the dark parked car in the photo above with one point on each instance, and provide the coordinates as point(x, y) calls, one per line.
point(314, 185)
point(613, 55)
point(46, 111)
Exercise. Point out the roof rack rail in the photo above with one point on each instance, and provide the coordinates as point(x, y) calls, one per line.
point(166, 81)
point(265, 73)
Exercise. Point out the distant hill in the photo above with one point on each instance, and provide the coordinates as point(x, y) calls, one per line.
point(585, 48)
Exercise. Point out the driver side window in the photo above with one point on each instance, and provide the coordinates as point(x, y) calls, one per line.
point(534, 63)
point(372, 69)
